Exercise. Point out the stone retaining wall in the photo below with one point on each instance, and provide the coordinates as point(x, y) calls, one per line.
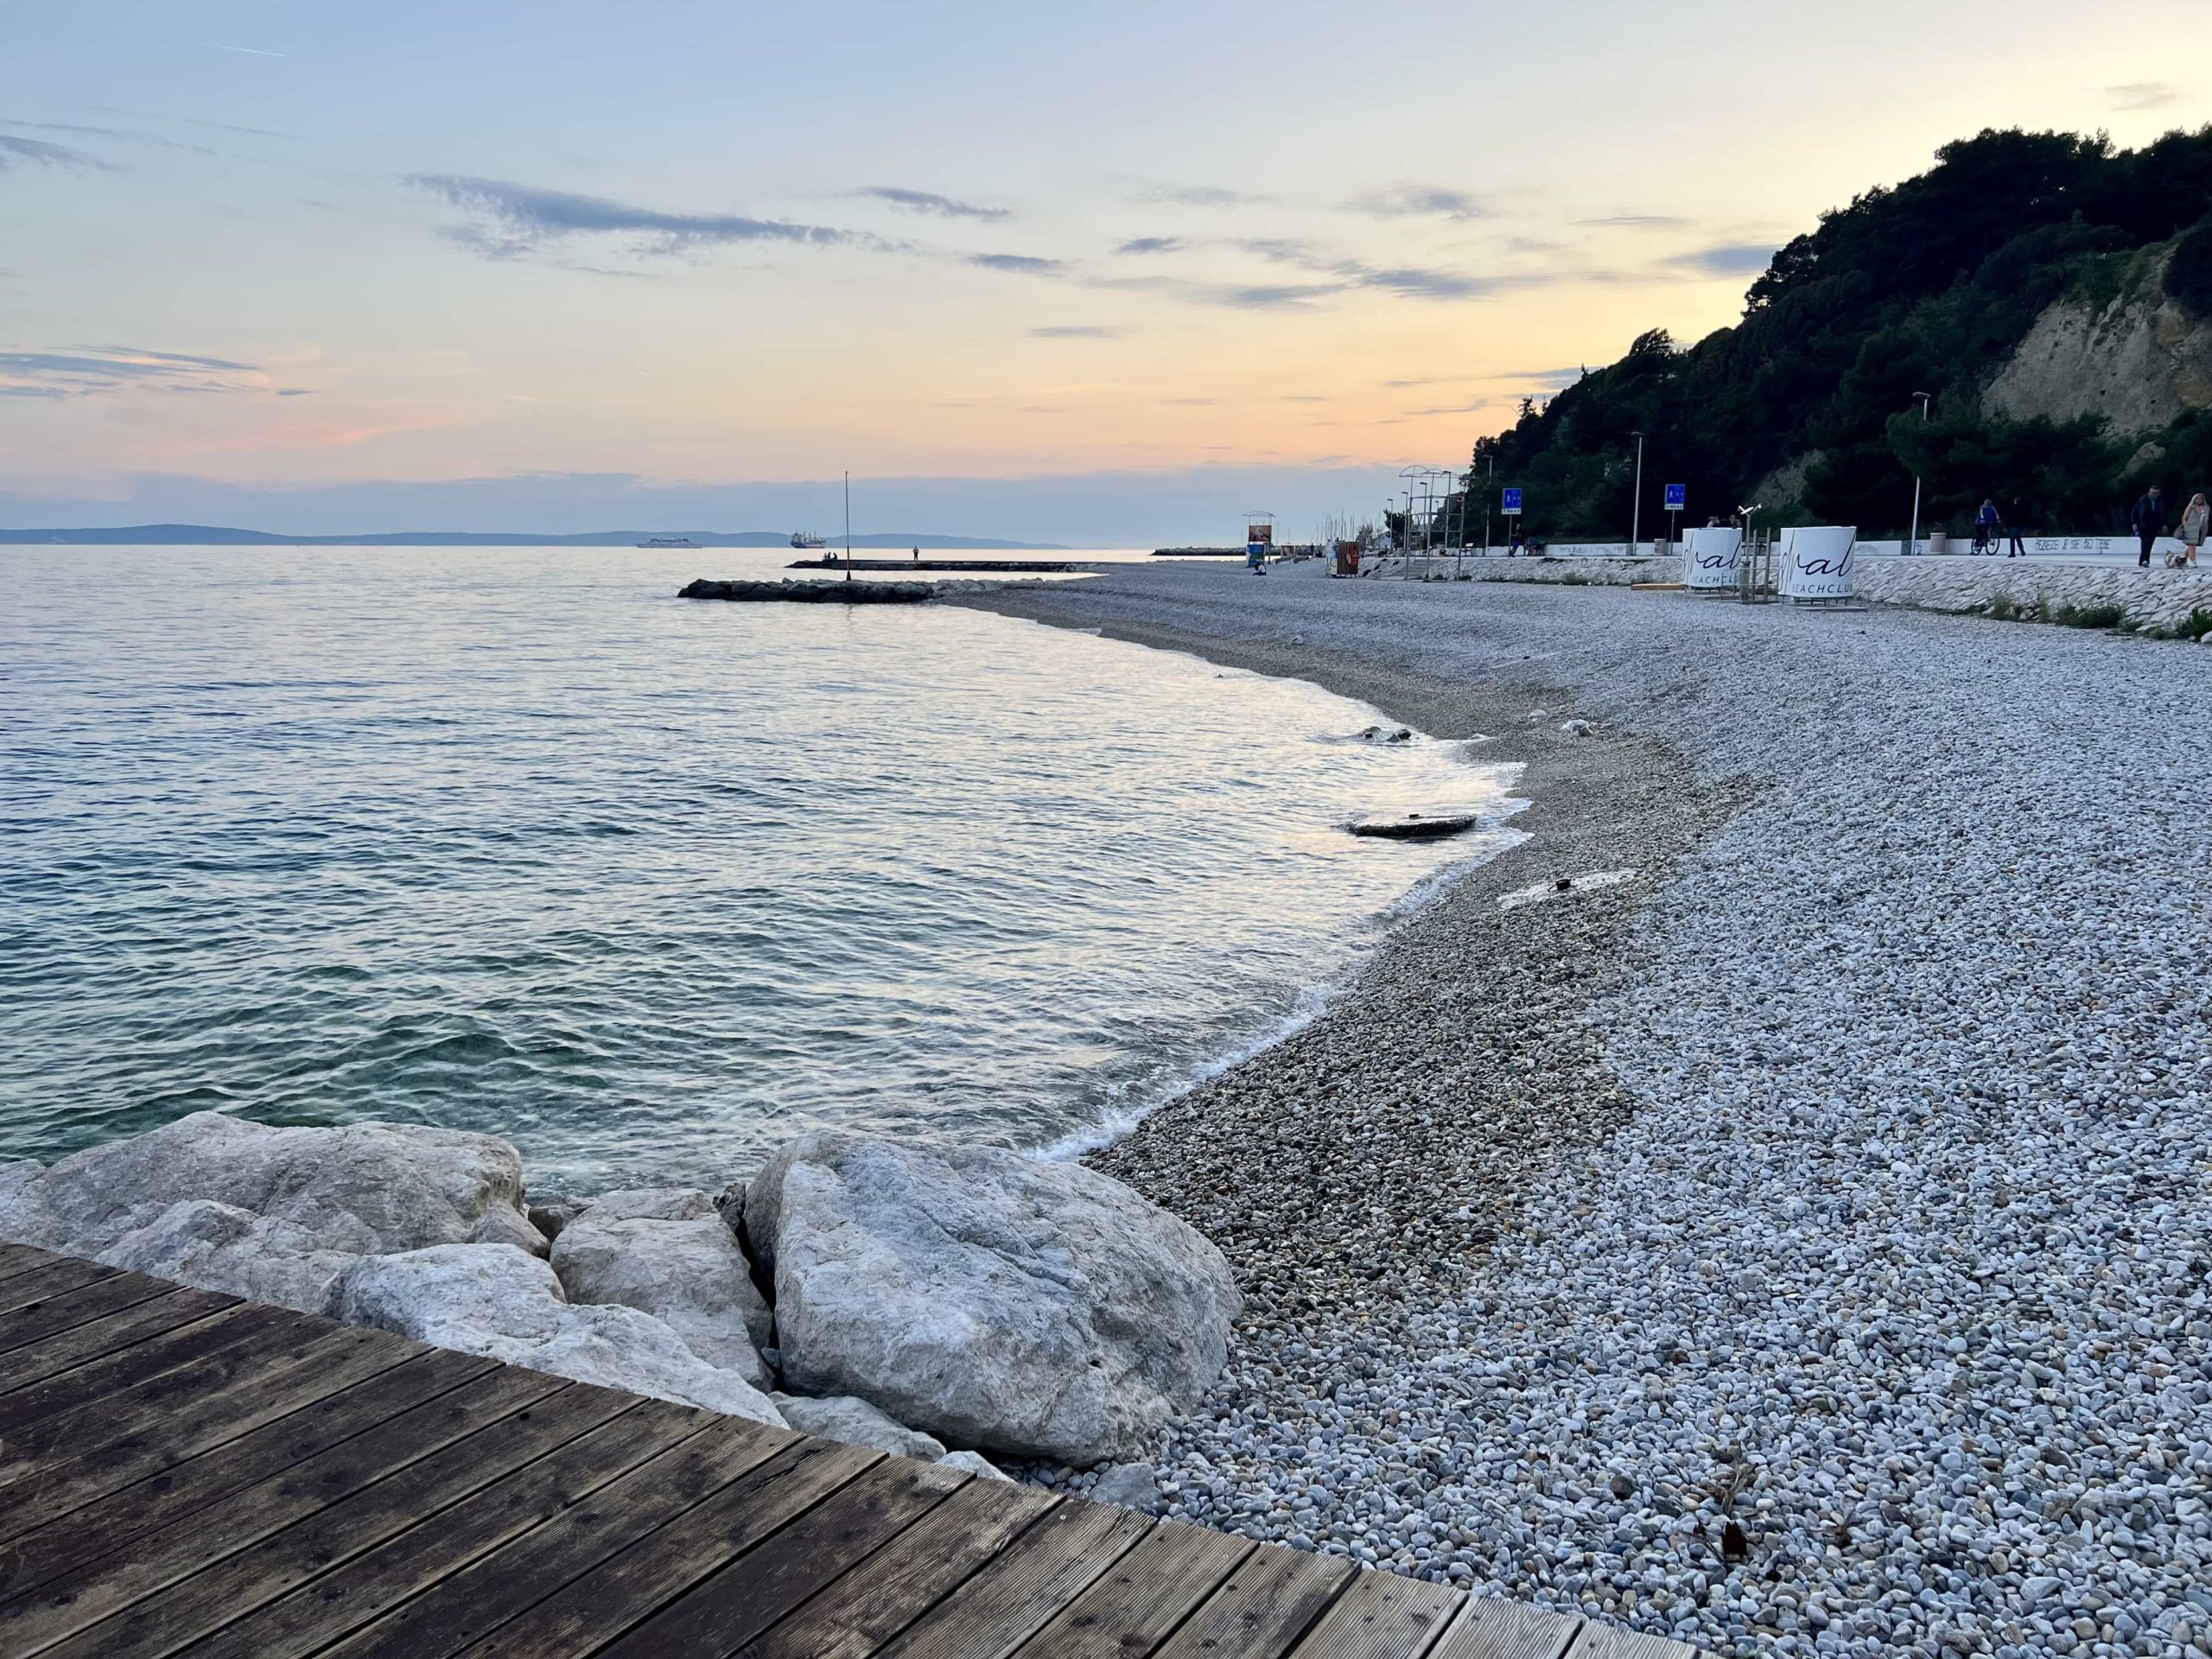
point(2157, 600)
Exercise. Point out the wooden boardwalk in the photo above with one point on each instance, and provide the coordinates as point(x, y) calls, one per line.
point(182, 1472)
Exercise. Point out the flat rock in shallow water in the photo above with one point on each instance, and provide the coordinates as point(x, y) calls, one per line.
point(1417, 826)
point(831, 593)
point(994, 1301)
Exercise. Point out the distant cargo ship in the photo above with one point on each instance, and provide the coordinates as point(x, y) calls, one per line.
point(802, 539)
point(668, 541)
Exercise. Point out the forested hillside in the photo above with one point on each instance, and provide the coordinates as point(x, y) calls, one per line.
point(1808, 406)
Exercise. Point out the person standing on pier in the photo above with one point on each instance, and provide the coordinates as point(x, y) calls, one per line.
point(2195, 520)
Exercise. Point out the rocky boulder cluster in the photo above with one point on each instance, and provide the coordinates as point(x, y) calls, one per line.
point(910, 1296)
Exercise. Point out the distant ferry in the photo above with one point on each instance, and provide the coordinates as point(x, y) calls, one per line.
point(801, 539)
point(668, 541)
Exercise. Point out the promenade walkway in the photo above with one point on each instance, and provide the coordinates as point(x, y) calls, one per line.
point(181, 1472)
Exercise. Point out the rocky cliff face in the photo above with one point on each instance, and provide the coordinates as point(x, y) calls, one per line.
point(2141, 359)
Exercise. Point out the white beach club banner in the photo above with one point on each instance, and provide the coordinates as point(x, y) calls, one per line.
point(1816, 561)
point(1709, 556)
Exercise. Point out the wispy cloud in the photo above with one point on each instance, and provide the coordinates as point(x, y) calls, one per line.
point(89, 371)
point(513, 218)
point(1637, 222)
point(923, 201)
point(249, 51)
point(1726, 259)
point(1203, 196)
point(1408, 281)
point(37, 152)
point(1150, 245)
point(126, 135)
point(1274, 296)
point(1023, 263)
point(2141, 95)
point(1075, 331)
point(1418, 202)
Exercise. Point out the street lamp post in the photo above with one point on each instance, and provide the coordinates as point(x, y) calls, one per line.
point(1912, 541)
point(1635, 511)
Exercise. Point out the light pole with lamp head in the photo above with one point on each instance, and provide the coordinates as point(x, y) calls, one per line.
point(1912, 541)
point(1636, 510)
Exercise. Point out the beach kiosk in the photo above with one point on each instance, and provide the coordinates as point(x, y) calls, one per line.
point(1709, 555)
point(1816, 561)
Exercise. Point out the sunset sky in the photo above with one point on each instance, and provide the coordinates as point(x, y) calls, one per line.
point(1106, 275)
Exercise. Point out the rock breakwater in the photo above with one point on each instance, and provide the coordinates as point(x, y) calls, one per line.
point(938, 1295)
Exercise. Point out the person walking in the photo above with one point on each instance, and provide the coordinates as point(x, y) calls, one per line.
point(1985, 527)
point(2148, 521)
point(2195, 520)
point(2015, 522)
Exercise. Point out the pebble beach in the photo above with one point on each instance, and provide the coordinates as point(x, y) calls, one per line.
point(1798, 1245)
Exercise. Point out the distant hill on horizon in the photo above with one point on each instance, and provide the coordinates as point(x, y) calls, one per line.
point(223, 535)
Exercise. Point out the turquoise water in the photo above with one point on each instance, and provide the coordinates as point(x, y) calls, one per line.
point(514, 840)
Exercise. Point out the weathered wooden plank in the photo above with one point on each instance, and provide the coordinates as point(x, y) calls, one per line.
point(141, 1322)
point(80, 1427)
point(328, 1606)
point(580, 1615)
point(1149, 1592)
point(865, 1606)
point(772, 1577)
point(148, 1438)
point(1489, 1627)
point(213, 1597)
point(1273, 1598)
point(193, 1564)
point(1009, 1601)
point(111, 1374)
point(20, 1258)
point(40, 1320)
point(493, 1589)
point(115, 1520)
point(54, 1278)
point(1597, 1640)
point(1382, 1616)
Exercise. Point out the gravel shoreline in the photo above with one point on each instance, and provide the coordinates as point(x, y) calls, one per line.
point(1801, 1247)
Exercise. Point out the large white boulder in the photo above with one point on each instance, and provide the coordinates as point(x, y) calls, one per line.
point(171, 1201)
point(507, 1305)
point(991, 1299)
point(669, 1254)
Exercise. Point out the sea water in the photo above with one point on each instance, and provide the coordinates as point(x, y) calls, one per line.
point(514, 840)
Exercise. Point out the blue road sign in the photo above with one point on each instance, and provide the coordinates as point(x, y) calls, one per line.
point(1677, 496)
point(1512, 501)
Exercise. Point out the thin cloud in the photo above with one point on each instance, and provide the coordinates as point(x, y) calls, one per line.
point(1150, 245)
point(1419, 201)
point(2142, 95)
point(1203, 196)
point(513, 218)
point(1275, 296)
point(37, 152)
point(90, 370)
point(1022, 264)
point(1726, 259)
point(1637, 222)
point(125, 135)
point(923, 201)
point(249, 51)
point(1075, 331)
